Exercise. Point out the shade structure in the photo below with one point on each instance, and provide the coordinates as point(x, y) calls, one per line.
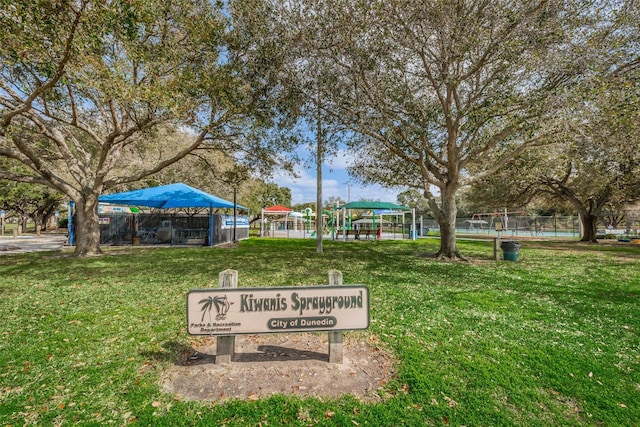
point(383, 207)
point(172, 196)
point(374, 205)
point(370, 221)
point(278, 209)
point(275, 210)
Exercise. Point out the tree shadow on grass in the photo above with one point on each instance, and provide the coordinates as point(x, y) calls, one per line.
point(184, 355)
point(172, 351)
point(596, 295)
point(274, 353)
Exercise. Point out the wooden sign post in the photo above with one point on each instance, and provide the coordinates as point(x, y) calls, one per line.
point(335, 337)
point(226, 344)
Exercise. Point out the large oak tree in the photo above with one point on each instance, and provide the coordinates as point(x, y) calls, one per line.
point(431, 89)
point(86, 86)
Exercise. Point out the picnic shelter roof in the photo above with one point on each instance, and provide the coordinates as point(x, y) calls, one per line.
point(278, 209)
point(374, 205)
point(172, 196)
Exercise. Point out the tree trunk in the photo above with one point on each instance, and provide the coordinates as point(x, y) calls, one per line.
point(589, 213)
point(38, 221)
point(589, 227)
point(87, 226)
point(446, 217)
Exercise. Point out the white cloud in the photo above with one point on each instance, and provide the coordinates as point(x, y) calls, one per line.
point(335, 183)
point(342, 160)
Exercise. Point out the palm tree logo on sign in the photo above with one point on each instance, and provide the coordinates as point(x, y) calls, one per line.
point(221, 303)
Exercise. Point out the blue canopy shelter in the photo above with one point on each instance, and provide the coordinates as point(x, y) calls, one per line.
point(172, 196)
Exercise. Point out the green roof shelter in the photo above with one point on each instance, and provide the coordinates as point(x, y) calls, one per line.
point(368, 205)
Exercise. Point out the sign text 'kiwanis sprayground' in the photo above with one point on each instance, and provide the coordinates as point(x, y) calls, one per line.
point(229, 311)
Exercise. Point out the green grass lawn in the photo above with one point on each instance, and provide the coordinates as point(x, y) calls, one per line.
point(550, 340)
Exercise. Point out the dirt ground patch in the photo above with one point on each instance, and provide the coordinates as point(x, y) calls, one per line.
point(296, 364)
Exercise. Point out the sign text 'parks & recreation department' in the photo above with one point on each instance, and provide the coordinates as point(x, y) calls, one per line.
point(229, 311)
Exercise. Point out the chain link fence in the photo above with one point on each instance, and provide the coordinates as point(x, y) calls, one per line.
point(166, 229)
point(532, 226)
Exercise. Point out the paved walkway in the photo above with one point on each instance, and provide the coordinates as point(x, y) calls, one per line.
point(23, 244)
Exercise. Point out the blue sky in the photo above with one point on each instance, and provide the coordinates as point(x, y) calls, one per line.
point(335, 183)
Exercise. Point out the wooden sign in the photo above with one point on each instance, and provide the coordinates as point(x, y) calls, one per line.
point(230, 311)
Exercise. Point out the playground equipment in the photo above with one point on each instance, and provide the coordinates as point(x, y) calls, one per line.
point(307, 213)
point(495, 220)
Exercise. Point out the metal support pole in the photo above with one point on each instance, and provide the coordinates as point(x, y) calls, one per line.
point(235, 214)
point(414, 232)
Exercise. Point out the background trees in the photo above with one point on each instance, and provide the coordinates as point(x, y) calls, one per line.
point(415, 199)
point(28, 201)
point(592, 162)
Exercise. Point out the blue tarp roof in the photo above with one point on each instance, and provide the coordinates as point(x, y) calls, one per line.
point(170, 196)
